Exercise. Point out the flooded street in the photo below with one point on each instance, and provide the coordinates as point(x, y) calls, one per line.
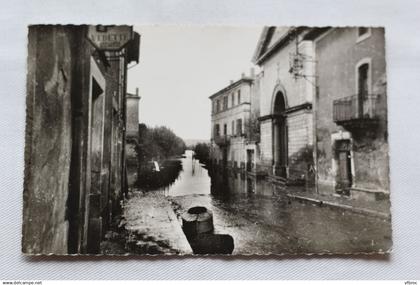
point(263, 223)
point(193, 178)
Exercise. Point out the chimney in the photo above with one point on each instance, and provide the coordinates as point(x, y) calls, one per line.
point(137, 91)
point(242, 75)
point(231, 82)
point(252, 72)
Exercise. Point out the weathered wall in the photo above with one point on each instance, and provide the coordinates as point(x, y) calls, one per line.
point(338, 54)
point(300, 141)
point(74, 141)
point(113, 128)
point(48, 140)
point(79, 171)
point(266, 145)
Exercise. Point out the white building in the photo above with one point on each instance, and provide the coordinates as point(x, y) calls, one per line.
point(230, 136)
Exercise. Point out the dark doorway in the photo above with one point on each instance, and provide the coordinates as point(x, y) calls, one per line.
point(344, 176)
point(250, 160)
point(224, 158)
point(280, 136)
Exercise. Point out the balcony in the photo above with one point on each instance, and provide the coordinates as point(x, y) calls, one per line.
point(222, 140)
point(357, 111)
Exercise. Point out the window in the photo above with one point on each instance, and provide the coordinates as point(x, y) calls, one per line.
point(233, 99)
point(363, 73)
point(225, 129)
point(363, 33)
point(362, 87)
point(239, 127)
point(225, 102)
point(217, 106)
point(239, 96)
point(233, 127)
point(217, 130)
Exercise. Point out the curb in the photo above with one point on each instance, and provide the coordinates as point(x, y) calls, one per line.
point(341, 206)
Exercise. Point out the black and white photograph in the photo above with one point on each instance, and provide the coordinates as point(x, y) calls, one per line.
point(206, 140)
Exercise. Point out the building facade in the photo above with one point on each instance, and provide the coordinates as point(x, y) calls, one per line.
point(351, 112)
point(286, 115)
point(75, 174)
point(321, 104)
point(231, 113)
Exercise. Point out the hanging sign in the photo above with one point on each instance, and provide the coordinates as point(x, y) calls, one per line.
point(110, 38)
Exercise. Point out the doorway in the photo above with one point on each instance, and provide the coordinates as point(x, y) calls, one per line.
point(224, 157)
point(344, 174)
point(280, 141)
point(250, 160)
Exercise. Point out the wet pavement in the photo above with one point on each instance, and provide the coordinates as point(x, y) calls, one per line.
point(263, 223)
point(276, 226)
point(152, 226)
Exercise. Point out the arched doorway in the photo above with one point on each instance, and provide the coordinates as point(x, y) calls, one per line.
point(279, 135)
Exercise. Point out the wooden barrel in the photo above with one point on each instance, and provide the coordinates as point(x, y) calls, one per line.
point(197, 220)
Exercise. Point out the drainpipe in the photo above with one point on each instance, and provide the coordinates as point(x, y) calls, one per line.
point(314, 125)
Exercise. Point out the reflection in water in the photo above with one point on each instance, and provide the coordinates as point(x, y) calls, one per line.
point(261, 221)
point(154, 177)
point(236, 185)
point(194, 179)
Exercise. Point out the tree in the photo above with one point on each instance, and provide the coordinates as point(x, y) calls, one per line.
point(158, 143)
point(202, 152)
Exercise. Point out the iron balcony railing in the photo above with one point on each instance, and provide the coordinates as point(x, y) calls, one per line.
point(356, 107)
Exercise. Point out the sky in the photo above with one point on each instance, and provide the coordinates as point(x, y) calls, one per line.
point(181, 66)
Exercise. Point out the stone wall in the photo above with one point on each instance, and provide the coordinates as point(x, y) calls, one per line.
point(266, 144)
point(48, 141)
point(300, 158)
point(74, 162)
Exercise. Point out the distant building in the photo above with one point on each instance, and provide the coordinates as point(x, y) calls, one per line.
point(351, 112)
point(75, 169)
point(231, 111)
point(132, 135)
point(133, 114)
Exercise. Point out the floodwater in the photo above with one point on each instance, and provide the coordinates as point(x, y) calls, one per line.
point(263, 223)
point(193, 178)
